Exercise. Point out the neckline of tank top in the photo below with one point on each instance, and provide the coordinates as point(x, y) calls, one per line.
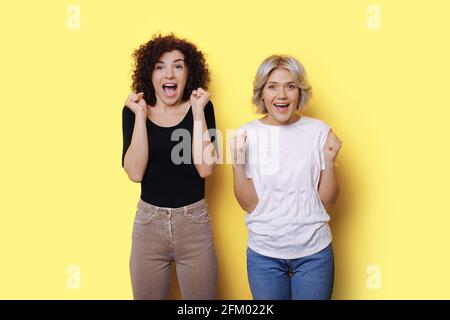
point(171, 127)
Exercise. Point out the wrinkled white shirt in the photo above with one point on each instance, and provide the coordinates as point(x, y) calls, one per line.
point(284, 163)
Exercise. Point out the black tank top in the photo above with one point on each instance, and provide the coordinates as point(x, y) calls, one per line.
point(166, 184)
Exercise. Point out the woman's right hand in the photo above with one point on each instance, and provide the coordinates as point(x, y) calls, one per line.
point(137, 104)
point(237, 146)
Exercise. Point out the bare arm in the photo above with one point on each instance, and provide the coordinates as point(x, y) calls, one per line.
point(328, 183)
point(244, 189)
point(328, 186)
point(137, 154)
point(201, 140)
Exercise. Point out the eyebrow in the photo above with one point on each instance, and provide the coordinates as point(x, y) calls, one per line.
point(177, 60)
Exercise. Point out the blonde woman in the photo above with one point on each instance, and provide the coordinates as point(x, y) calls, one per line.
point(285, 179)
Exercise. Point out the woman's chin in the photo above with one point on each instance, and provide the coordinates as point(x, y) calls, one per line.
point(284, 118)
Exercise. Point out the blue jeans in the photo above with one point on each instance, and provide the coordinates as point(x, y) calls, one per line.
point(307, 278)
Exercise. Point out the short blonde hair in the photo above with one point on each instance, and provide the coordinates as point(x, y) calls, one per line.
point(280, 61)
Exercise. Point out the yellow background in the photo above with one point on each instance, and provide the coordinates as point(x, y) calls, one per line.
point(65, 199)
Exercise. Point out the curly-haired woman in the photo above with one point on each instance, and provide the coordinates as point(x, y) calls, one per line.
point(168, 147)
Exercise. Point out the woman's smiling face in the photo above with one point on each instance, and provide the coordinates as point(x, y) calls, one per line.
point(281, 97)
point(169, 78)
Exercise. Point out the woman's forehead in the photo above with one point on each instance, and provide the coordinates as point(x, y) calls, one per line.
point(171, 57)
point(280, 75)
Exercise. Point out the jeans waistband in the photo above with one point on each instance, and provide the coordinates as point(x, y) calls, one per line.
point(190, 207)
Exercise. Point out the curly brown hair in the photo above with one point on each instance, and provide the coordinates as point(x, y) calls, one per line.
point(149, 53)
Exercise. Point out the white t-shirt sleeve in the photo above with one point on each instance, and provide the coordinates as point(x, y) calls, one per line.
point(323, 135)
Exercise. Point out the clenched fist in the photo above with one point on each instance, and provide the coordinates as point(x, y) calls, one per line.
point(237, 146)
point(331, 147)
point(199, 98)
point(137, 104)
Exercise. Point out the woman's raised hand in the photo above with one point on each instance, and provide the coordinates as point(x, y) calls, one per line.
point(137, 104)
point(237, 145)
point(331, 147)
point(199, 98)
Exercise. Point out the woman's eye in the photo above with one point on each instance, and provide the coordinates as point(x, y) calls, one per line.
point(159, 67)
point(271, 87)
point(291, 86)
point(179, 67)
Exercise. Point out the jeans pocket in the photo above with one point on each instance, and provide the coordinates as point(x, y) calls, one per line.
point(144, 217)
point(199, 215)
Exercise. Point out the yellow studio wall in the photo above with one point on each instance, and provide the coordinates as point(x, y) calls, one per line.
point(379, 71)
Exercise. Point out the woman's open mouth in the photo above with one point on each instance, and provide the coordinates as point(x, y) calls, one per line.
point(281, 107)
point(169, 89)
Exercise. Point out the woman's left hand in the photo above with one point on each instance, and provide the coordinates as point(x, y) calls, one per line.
point(331, 147)
point(199, 99)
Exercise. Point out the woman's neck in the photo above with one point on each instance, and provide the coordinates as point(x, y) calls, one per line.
point(171, 108)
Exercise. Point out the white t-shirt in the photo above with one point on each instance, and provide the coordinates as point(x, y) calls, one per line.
point(284, 163)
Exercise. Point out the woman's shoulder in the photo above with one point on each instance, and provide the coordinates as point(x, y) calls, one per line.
point(209, 105)
point(315, 123)
point(127, 114)
point(249, 125)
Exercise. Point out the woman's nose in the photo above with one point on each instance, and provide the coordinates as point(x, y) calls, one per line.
point(281, 94)
point(169, 73)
